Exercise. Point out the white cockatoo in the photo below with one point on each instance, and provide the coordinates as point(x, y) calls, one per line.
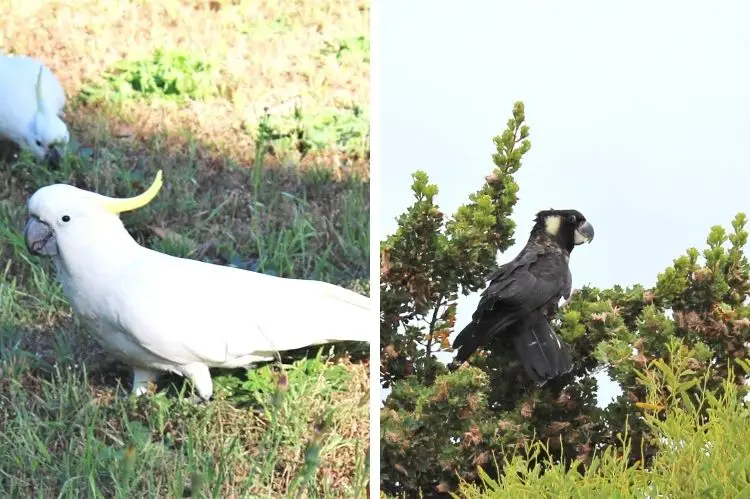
point(159, 313)
point(31, 107)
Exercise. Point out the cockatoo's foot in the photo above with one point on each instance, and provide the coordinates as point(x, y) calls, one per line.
point(199, 375)
point(142, 378)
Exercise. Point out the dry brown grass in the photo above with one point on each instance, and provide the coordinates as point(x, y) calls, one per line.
point(259, 65)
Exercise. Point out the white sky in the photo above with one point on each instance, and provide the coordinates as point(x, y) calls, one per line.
point(639, 116)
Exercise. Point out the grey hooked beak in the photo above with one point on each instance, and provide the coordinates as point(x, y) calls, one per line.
point(53, 156)
point(40, 238)
point(584, 233)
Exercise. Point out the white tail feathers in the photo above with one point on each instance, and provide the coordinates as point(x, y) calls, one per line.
point(349, 314)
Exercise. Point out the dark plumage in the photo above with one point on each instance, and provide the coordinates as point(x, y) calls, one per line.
point(523, 295)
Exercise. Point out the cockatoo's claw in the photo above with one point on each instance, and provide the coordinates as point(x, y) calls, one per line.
point(200, 377)
point(140, 390)
point(142, 378)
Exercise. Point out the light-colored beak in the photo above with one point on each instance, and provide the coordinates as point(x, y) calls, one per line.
point(40, 238)
point(584, 233)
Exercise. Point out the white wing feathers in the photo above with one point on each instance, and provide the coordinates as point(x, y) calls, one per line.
point(187, 311)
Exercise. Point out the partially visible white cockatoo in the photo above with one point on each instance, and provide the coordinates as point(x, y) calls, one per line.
point(31, 107)
point(157, 312)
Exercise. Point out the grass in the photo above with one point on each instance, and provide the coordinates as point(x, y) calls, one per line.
point(257, 113)
point(263, 57)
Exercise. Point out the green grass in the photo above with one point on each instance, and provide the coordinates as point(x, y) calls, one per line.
point(180, 76)
point(69, 437)
point(284, 190)
point(166, 74)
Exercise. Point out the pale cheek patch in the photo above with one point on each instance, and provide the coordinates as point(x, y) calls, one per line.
point(552, 225)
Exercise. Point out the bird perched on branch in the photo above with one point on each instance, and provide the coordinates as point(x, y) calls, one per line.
point(524, 294)
point(159, 313)
point(31, 108)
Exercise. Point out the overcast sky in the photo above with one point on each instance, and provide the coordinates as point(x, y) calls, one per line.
point(639, 116)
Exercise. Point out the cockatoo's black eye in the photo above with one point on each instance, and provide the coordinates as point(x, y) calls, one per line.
point(39, 143)
point(65, 218)
point(572, 219)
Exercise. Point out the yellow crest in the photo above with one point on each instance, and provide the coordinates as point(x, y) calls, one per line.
point(120, 205)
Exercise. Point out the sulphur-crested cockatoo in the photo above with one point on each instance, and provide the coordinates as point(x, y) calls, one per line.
point(159, 313)
point(31, 107)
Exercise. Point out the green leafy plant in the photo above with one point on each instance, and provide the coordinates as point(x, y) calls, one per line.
point(165, 75)
point(698, 456)
point(344, 130)
point(429, 260)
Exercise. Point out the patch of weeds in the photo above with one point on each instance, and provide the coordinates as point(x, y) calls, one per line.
point(279, 394)
point(165, 75)
point(345, 131)
point(261, 386)
point(358, 47)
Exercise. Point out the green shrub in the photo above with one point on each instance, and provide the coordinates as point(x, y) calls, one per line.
point(697, 456)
